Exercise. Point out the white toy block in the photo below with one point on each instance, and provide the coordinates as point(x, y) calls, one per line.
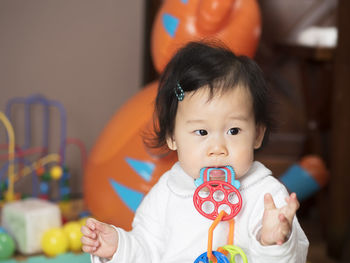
point(27, 220)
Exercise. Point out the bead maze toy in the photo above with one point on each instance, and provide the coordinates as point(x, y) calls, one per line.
point(49, 166)
point(219, 201)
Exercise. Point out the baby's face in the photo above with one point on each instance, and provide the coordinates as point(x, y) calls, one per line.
point(216, 132)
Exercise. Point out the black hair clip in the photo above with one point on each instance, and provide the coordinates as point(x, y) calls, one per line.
point(179, 92)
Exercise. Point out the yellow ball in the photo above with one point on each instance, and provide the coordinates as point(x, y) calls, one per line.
point(56, 172)
point(82, 221)
point(54, 242)
point(72, 230)
point(9, 196)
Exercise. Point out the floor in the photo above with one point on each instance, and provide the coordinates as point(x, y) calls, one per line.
point(318, 248)
point(62, 258)
point(312, 227)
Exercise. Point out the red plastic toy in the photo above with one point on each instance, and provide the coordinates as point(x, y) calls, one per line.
point(211, 197)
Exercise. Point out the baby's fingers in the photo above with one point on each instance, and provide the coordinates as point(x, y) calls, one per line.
point(284, 229)
point(293, 201)
point(88, 232)
point(91, 223)
point(89, 242)
point(268, 202)
point(98, 226)
point(88, 249)
point(89, 245)
point(292, 206)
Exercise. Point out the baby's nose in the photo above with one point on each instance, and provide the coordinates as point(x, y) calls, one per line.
point(217, 148)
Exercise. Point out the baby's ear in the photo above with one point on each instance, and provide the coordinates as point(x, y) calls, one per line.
point(171, 143)
point(260, 132)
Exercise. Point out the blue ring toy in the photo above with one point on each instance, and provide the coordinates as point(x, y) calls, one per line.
point(203, 258)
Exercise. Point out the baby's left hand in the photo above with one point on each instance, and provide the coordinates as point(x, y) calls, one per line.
point(277, 222)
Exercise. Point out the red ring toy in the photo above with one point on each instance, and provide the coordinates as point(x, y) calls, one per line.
point(214, 186)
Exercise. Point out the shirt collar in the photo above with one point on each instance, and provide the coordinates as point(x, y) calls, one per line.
point(256, 172)
point(179, 182)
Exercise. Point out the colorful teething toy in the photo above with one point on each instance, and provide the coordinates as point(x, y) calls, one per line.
point(233, 251)
point(221, 258)
point(218, 200)
point(211, 197)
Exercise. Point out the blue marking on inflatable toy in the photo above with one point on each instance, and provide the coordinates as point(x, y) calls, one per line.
point(184, 1)
point(170, 24)
point(130, 197)
point(143, 169)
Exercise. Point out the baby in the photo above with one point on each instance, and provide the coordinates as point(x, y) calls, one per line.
point(212, 108)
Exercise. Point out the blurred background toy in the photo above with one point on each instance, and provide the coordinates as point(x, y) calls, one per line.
point(7, 246)
point(41, 179)
point(49, 173)
point(54, 242)
point(120, 170)
point(72, 231)
point(235, 23)
point(27, 220)
point(306, 177)
point(58, 240)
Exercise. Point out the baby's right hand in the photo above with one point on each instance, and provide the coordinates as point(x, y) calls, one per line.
point(99, 239)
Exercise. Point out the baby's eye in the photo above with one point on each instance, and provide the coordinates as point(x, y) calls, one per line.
point(233, 131)
point(201, 132)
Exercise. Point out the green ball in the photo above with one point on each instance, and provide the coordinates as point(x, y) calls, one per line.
point(7, 246)
point(46, 177)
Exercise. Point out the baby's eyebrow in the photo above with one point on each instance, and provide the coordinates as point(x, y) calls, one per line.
point(238, 117)
point(194, 121)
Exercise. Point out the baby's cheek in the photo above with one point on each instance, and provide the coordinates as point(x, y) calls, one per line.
point(190, 170)
point(194, 174)
point(241, 172)
point(242, 166)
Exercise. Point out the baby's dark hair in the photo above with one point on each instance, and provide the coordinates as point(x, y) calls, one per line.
point(199, 64)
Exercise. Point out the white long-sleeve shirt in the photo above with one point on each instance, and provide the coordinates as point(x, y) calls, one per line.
point(167, 228)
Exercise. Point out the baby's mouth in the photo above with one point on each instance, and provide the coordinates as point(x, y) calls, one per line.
point(217, 175)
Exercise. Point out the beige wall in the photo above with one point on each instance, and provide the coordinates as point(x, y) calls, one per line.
point(85, 54)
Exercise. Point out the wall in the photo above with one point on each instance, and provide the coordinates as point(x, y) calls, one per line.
point(85, 54)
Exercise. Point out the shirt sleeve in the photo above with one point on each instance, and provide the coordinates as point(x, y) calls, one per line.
point(145, 243)
point(294, 250)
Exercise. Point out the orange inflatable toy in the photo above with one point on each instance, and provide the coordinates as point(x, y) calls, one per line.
point(120, 170)
point(235, 22)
